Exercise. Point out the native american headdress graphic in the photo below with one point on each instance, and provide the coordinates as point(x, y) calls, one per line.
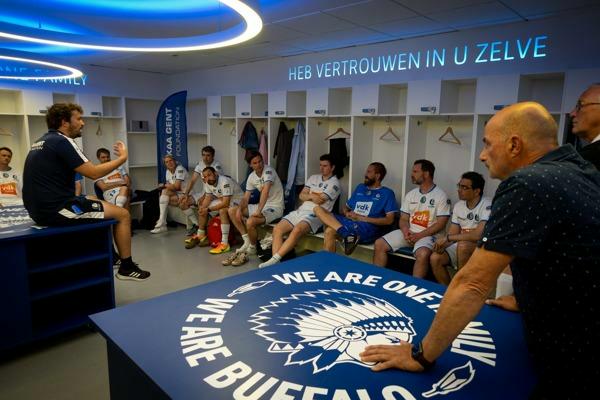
point(327, 327)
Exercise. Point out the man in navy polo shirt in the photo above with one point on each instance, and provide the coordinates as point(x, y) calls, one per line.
point(48, 178)
point(370, 208)
point(544, 222)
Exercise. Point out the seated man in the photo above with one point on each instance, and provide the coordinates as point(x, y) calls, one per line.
point(49, 173)
point(78, 184)
point(10, 180)
point(221, 193)
point(425, 212)
point(469, 215)
point(115, 185)
point(190, 198)
point(246, 217)
point(320, 190)
point(370, 208)
point(176, 178)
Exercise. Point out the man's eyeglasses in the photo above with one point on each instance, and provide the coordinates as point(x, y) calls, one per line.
point(462, 187)
point(579, 105)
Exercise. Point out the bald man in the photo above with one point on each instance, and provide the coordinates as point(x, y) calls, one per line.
point(586, 123)
point(544, 222)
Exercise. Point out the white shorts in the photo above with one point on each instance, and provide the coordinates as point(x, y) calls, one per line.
point(451, 251)
point(110, 195)
point(395, 240)
point(295, 217)
point(196, 197)
point(270, 213)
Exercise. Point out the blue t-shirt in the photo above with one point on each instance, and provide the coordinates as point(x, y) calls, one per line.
point(49, 174)
point(373, 203)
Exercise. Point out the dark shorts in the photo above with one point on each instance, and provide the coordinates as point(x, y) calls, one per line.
point(367, 232)
point(78, 210)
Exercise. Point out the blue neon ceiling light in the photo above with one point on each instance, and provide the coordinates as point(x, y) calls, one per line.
point(251, 27)
point(24, 67)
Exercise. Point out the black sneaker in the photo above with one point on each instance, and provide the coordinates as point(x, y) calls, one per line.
point(135, 274)
point(192, 231)
point(350, 243)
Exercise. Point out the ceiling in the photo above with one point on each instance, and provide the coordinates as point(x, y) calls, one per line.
point(293, 27)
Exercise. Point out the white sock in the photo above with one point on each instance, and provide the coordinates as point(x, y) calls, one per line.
point(201, 232)
point(225, 233)
point(246, 239)
point(121, 200)
point(191, 215)
point(271, 261)
point(163, 203)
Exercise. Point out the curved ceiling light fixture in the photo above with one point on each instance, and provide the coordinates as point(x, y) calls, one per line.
point(252, 21)
point(25, 68)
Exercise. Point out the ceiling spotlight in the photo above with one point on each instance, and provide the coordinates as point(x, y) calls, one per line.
point(22, 68)
point(252, 21)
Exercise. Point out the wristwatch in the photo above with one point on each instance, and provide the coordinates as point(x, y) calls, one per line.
point(417, 355)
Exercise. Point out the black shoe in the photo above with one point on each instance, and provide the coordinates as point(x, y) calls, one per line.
point(350, 243)
point(134, 274)
point(192, 231)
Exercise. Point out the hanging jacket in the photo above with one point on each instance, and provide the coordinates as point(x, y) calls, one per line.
point(296, 174)
point(262, 146)
point(339, 153)
point(283, 150)
point(248, 138)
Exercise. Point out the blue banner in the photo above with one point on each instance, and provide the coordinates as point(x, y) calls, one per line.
point(171, 132)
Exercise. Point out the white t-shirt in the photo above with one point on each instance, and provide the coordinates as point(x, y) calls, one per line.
point(11, 184)
point(425, 208)
point(468, 218)
point(180, 174)
point(275, 199)
point(215, 164)
point(225, 186)
point(115, 176)
point(331, 187)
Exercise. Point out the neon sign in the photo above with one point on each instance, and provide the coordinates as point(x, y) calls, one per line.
point(485, 52)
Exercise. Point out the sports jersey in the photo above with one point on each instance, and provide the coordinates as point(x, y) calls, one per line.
point(115, 176)
point(49, 173)
point(468, 218)
point(424, 208)
point(225, 186)
point(215, 164)
point(331, 187)
point(373, 203)
point(180, 174)
point(275, 198)
point(200, 167)
point(10, 185)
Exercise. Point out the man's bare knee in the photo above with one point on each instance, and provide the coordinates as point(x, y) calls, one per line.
point(423, 253)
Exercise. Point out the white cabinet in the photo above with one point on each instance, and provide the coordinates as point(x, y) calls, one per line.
point(278, 104)
point(36, 102)
point(11, 102)
point(458, 97)
point(287, 104)
point(494, 92)
point(91, 104)
point(243, 105)
point(424, 97)
point(546, 89)
point(365, 100)
point(221, 106)
point(329, 102)
point(317, 102)
point(392, 99)
point(251, 105)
